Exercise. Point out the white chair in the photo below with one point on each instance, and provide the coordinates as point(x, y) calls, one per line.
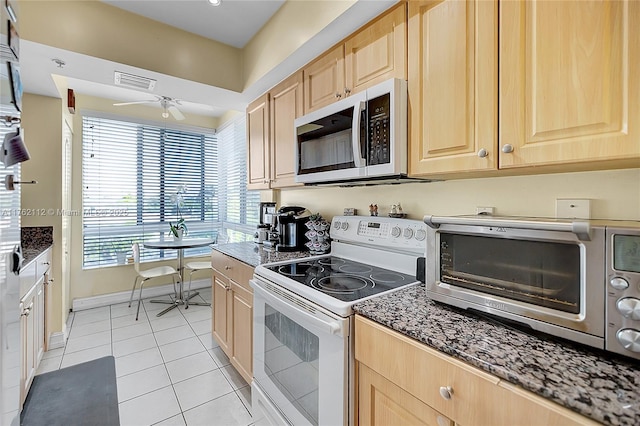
point(193, 267)
point(147, 274)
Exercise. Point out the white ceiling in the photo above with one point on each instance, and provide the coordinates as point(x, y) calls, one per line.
point(234, 22)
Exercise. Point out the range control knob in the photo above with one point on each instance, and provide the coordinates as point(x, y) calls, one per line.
point(629, 339)
point(421, 234)
point(337, 224)
point(408, 233)
point(396, 231)
point(629, 307)
point(619, 283)
point(344, 226)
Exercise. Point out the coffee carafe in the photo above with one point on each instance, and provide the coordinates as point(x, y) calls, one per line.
point(291, 228)
point(267, 232)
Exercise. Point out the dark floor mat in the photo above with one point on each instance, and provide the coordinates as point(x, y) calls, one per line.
point(84, 394)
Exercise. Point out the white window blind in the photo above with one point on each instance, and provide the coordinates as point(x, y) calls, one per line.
point(131, 174)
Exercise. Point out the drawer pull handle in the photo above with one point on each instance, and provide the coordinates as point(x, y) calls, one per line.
point(46, 263)
point(227, 267)
point(446, 392)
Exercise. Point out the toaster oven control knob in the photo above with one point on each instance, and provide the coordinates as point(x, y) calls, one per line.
point(629, 339)
point(421, 234)
point(344, 226)
point(337, 224)
point(396, 231)
point(408, 233)
point(629, 307)
point(619, 283)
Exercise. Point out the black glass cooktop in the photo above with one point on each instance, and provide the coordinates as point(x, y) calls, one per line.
point(343, 279)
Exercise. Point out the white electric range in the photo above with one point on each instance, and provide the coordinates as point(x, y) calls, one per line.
point(303, 362)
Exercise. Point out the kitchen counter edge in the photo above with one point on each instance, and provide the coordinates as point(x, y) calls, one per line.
point(255, 254)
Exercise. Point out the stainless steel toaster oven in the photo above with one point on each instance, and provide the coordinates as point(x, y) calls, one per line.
point(574, 279)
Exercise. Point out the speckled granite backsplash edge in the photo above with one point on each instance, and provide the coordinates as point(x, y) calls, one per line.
point(602, 386)
point(35, 240)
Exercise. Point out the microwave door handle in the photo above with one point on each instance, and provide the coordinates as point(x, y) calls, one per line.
point(358, 159)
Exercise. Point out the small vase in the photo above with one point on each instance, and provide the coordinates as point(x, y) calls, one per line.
point(180, 233)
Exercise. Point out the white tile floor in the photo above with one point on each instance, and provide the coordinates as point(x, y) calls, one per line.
point(169, 369)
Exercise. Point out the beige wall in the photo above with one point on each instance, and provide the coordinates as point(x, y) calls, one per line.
point(295, 23)
point(42, 124)
point(615, 194)
point(97, 29)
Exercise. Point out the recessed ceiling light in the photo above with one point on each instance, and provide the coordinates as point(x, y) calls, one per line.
point(215, 2)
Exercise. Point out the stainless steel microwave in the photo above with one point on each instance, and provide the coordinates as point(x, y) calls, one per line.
point(359, 137)
point(574, 279)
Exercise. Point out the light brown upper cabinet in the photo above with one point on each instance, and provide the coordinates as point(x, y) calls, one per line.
point(258, 160)
point(285, 106)
point(374, 53)
point(569, 82)
point(452, 86)
point(567, 97)
point(270, 135)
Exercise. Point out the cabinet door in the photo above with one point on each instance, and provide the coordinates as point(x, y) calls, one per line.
point(39, 314)
point(258, 143)
point(242, 358)
point(377, 52)
point(324, 79)
point(286, 106)
point(27, 333)
point(569, 86)
point(220, 326)
point(452, 86)
point(381, 402)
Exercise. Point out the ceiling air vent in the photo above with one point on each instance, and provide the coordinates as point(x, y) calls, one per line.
point(130, 80)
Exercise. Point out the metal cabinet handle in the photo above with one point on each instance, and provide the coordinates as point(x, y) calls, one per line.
point(46, 263)
point(227, 267)
point(446, 392)
point(483, 153)
point(507, 148)
point(338, 95)
point(347, 90)
point(27, 311)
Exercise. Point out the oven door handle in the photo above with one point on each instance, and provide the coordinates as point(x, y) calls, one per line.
point(333, 327)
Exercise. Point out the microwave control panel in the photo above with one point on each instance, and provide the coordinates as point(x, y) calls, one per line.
point(380, 231)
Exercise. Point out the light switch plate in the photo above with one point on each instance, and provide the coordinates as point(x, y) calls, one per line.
point(573, 208)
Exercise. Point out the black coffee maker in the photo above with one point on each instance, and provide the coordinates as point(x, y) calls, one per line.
point(291, 228)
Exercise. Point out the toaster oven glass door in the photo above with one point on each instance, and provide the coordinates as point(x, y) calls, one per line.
point(543, 273)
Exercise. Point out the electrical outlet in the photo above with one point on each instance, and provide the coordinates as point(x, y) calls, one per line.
point(573, 208)
point(484, 211)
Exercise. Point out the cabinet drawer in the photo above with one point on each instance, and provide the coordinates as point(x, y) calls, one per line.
point(237, 271)
point(44, 262)
point(389, 354)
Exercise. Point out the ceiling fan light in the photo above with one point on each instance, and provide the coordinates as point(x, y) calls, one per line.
point(165, 114)
point(215, 2)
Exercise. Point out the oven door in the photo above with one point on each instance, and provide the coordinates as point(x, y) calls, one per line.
point(300, 357)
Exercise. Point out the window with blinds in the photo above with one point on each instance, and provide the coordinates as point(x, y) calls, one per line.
point(139, 178)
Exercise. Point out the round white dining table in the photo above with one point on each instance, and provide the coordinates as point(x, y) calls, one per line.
point(179, 245)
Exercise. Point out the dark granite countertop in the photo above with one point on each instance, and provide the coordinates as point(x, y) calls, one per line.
point(255, 254)
point(35, 240)
point(602, 386)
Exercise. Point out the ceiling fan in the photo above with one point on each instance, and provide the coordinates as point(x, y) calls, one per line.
point(169, 105)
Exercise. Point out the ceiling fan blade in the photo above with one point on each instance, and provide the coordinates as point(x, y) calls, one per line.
point(176, 113)
point(136, 102)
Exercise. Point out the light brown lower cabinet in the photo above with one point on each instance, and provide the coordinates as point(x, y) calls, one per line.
point(402, 381)
point(232, 319)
